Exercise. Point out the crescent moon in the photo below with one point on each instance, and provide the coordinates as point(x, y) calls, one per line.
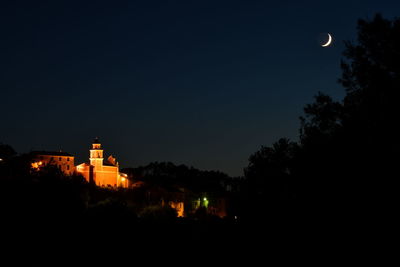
point(329, 41)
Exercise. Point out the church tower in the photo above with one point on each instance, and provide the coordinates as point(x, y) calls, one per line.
point(102, 173)
point(96, 155)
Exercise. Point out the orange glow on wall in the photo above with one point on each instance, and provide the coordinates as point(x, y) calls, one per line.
point(64, 161)
point(178, 206)
point(104, 173)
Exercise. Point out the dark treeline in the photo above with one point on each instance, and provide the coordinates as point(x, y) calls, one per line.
point(341, 169)
point(169, 175)
point(345, 160)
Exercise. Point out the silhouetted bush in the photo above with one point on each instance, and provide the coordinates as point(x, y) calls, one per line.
point(158, 213)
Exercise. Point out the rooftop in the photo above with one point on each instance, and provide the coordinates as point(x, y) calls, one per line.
point(51, 153)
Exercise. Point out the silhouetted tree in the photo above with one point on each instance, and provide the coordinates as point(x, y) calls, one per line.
point(371, 76)
point(346, 158)
point(269, 178)
point(322, 121)
point(6, 152)
point(158, 214)
point(170, 176)
point(319, 161)
point(348, 149)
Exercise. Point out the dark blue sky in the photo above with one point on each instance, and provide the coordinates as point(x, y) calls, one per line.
point(203, 83)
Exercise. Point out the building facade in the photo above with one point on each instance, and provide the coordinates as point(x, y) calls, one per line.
point(104, 173)
point(64, 161)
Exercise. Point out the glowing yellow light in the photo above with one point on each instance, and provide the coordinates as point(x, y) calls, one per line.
point(122, 179)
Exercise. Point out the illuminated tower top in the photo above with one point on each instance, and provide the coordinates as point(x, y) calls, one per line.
point(96, 153)
point(96, 144)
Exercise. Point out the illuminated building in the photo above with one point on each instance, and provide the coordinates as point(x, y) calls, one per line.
point(178, 206)
point(64, 161)
point(102, 172)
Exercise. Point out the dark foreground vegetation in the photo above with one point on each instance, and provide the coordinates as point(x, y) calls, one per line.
point(336, 183)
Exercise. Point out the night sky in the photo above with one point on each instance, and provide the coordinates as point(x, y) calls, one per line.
point(202, 83)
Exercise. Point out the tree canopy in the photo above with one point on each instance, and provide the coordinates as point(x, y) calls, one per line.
point(169, 175)
point(346, 150)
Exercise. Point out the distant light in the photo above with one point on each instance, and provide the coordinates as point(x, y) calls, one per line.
point(205, 199)
point(1, 159)
point(123, 179)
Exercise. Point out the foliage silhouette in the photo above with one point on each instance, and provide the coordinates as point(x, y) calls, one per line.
point(169, 175)
point(6, 152)
point(158, 214)
point(345, 160)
